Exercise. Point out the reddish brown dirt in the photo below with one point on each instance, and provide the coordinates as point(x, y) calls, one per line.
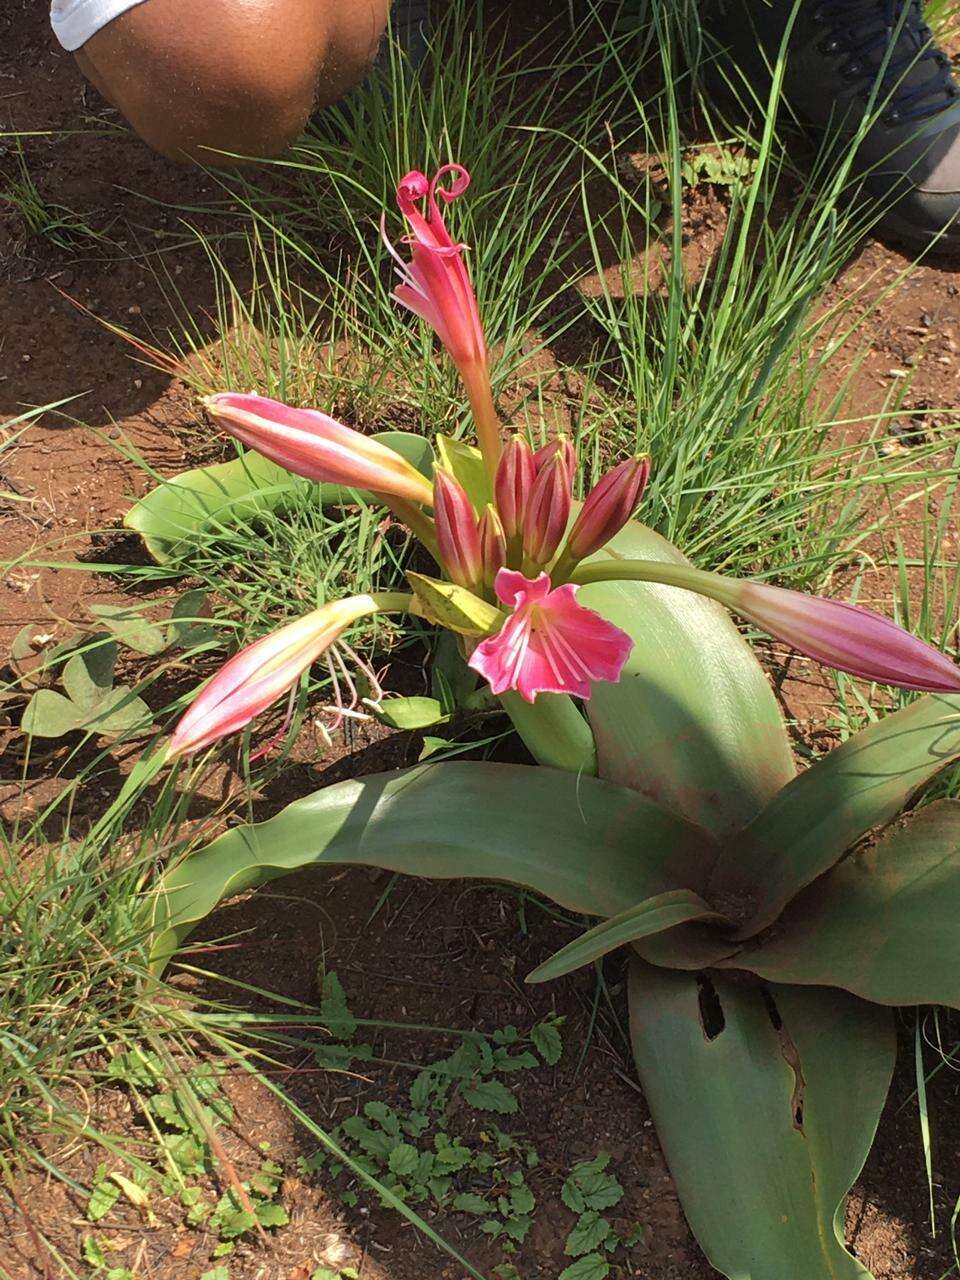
point(436, 955)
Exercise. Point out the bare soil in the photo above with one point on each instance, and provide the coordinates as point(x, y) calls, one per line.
point(441, 955)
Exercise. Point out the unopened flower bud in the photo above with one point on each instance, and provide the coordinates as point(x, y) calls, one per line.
point(608, 507)
point(493, 546)
point(547, 512)
point(513, 484)
point(562, 445)
point(456, 524)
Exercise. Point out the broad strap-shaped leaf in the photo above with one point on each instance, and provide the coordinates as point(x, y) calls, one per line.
point(765, 1112)
point(589, 845)
point(817, 817)
point(653, 915)
point(693, 722)
point(884, 924)
point(231, 493)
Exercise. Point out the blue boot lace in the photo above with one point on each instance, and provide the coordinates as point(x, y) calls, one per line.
point(865, 30)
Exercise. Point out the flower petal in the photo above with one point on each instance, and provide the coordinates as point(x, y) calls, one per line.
point(550, 644)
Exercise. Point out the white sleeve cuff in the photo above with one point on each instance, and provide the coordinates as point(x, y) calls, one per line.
point(75, 21)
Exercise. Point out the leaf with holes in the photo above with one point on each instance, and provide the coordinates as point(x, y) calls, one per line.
point(784, 1098)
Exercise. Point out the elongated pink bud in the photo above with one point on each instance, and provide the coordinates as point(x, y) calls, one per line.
point(608, 507)
point(513, 485)
point(493, 546)
point(311, 444)
point(562, 445)
point(548, 511)
point(457, 537)
point(847, 637)
point(253, 679)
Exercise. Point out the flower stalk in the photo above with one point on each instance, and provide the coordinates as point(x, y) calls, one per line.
point(844, 636)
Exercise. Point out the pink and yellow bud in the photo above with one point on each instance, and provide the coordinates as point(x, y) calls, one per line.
point(311, 444)
point(253, 679)
point(846, 637)
point(547, 512)
point(607, 508)
point(513, 485)
point(493, 546)
point(456, 528)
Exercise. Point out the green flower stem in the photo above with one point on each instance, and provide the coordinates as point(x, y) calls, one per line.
point(725, 590)
point(419, 524)
point(554, 731)
point(389, 602)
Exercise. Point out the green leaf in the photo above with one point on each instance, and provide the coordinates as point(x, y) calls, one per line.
point(470, 1202)
point(547, 1042)
point(554, 731)
point(590, 1233)
point(693, 722)
point(228, 494)
point(591, 847)
point(50, 715)
point(131, 628)
point(92, 703)
point(821, 813)
point(103, 1197)
point(465, 464)
point(333, 1008)
point(411, 713)
point(589, 1186)
point(490, 1095)
point(883, 923)
point(650, 916)
point(93, 1252)
point(591, 1267)
point(272, 1215)
point(786, 1112)
point(403, 1159)
point(453, 607)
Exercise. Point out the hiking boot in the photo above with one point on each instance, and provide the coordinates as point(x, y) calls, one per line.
point(848, 60)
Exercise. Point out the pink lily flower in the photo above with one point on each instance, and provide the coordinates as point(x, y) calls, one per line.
point(309, 443)
point(549, 644)
point(253, 679)
point(436, 286)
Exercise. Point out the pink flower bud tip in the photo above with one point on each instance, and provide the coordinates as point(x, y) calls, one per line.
point(458, 540)
point(548, 511)
point(608, 507)
point(513, 484)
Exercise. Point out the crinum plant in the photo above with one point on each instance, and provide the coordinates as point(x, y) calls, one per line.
point(772, 918)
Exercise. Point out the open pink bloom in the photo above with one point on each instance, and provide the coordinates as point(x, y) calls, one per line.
point(311, 444)
point(846, 637)
point(253, 679)
point(435, 283)
point(549, 644)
